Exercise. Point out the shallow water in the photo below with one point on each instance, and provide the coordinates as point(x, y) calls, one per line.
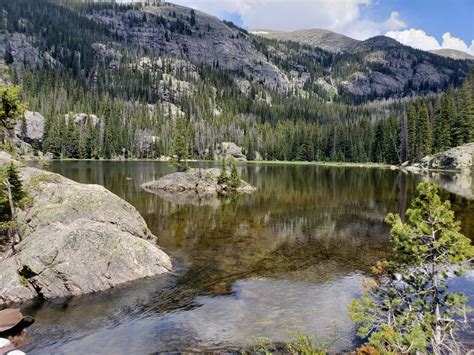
point(289, 257)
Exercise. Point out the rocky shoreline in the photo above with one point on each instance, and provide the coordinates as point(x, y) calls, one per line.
point(459, 158)
point(76, 239)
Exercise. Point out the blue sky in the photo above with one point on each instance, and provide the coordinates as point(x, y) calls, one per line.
point(435, 17)
point(425, 24)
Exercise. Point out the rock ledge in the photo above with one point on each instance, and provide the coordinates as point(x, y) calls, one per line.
point(77, 239)
point(457, 158)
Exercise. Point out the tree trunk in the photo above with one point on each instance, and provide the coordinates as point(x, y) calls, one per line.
point(437, 337)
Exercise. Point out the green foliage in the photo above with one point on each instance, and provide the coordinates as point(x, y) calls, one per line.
point(310, 345)
point(301, 344)
point(179, 149)
point(234, 178)
point(10, 174)
point(306, 125)
point(410, 307)
point(437, 125)
point(263, 346)
point(11, 106)
point(223, 179)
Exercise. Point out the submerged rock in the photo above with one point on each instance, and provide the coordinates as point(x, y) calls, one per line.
point(201, 181)
point(76, 239)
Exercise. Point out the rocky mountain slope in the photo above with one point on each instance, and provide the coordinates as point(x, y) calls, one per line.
point(337, 43)
point(328, 40)
point(452, 53)
point(181, 32)
point(111, 34)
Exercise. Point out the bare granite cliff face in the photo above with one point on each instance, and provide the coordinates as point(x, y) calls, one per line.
point(77, 239)
point(322, 61)
point(167, 29)
point(378, 67)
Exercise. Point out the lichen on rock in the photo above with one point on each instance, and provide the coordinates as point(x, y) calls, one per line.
point(77, 239)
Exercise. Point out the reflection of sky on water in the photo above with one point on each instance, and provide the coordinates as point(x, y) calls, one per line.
point(290, 256)
point(259, 306)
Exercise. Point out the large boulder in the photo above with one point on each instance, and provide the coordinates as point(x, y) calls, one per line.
point(201, 181)
point(458, 158)
point(76, 239)
point(229, 150)
point(34, 127)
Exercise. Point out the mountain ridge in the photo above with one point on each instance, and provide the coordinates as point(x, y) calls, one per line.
point(452, 53)
point(357, 71)
point(120, 81)
point(336, 42)
point(318, 37)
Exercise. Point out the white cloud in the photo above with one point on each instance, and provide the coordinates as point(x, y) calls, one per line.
point(394, 22)
point(342, 16)
point(420, 39)
point(454, 43)
point(415, 38)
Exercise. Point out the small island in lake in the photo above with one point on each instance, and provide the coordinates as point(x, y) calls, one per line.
point(201, 181)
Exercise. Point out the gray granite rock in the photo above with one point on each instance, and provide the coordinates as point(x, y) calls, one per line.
point(203, 181)
point(77, 239)
point(457, 158)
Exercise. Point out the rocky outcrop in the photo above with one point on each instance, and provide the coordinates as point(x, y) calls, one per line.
point(380, 66)
point(458, 158)
point(20, 48)
point(228, 150)
point(194, 36)
point(376, 68)
point(196, 181)
point(31, 129)
point(76, 239)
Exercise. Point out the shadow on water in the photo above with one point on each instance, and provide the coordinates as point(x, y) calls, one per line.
point(290, 256)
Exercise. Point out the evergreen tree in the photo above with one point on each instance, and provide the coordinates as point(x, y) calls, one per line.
point(9, 176)
point(72, 140)
point(223, 179)
point(410, 308)
point(411, 138)
point(11, 108)
point(380, 145)
point(234, 178)
point(53, 142)
point(13, 177)
point(444, 122)
point(466, 112)
point(179, 148)
point(87, 140)
point(425, 132)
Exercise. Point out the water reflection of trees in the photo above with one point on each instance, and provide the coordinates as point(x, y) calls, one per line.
point(306, 222)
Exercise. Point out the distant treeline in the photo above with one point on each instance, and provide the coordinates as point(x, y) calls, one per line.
point(288, 129)
point(140, 106)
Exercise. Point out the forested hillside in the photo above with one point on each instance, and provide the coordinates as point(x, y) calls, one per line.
point(140, 74)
